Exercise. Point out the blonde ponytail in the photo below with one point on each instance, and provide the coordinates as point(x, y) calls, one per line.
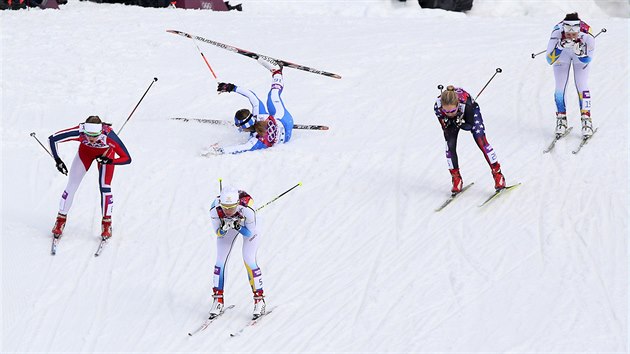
point(449, 96)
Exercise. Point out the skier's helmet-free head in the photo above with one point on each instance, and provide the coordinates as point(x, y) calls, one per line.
point(571, 25)
point(93, 126)
point(228, 199)
point(244, 119)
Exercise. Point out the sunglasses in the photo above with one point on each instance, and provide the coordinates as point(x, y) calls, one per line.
point(450, 110)
point(244, 121)
point(571, 28)
point(229, 207)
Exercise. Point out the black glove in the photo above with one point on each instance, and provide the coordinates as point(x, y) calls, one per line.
point(236, 224)
point(225, 87)
point(104, 160)
point(61, 167)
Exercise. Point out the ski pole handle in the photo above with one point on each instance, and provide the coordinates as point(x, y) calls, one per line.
point(42, 145)
point(603, 30)
point(276, 198)
point(497, 71)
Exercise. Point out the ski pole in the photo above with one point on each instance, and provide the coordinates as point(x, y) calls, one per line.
point(42, 145)
point(440, 87)
point(534, 55)
point(134, 108)
point(220, 185)
point(498, 70)
point(276, 198)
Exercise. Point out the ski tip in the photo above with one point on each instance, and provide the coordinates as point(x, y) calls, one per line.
point(189, 334)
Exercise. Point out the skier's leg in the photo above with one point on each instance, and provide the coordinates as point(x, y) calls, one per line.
point(276, 106)
point(561, 75)
point(250, 248)
point(224, 248)
point(105, 176)
point(581, 73)
point(75, 175)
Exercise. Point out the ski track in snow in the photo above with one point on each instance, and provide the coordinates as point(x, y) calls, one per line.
point(356, 258)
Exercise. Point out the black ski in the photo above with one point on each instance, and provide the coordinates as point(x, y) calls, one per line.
point(255, 56)
point(555, 140)
point(584, 141)
point(453, 196)
point(227, 122)
point(499, 192)
point(207, 322)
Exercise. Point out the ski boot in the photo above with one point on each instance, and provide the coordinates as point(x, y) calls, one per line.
point(271, 65)
point(259, 304)
point(561, 123)
point(217, 303)
point(457, 181)
point(60, 224)
point(106, 226)
point(587, 124)
point(499, 179)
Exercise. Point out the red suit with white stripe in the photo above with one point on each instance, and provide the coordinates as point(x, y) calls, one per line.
point(91, 147)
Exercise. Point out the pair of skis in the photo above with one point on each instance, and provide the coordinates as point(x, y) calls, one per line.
point(55, 243)
point(584, 141)
point(237, 333)
point(254, 55)
point(228, 123)
point(496, 194)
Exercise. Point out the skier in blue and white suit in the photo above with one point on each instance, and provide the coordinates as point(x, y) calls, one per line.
point(232, 214)
point(571, 44)
point(266, 128)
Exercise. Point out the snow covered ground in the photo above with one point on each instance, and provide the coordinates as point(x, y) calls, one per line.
point(356, 260)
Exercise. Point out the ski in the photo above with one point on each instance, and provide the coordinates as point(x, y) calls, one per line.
point(555, 140)
point(227, 122)
point(251, 323)
point(207, 322)
point(500, 192)
point(453, 196)
point(584, 142)
point(55, 242)
point(100, 247)
point(254, 55)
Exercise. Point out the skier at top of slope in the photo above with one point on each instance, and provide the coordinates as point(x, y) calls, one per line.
point(97, 142)
point(571, 44)
point(265, 128)
point(455, 110)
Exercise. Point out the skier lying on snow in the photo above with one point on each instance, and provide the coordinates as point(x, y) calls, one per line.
point(265, 128)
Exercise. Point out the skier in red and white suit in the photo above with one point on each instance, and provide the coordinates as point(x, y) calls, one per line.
point(97, 142)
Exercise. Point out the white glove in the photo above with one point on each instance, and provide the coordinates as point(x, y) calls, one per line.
point(225, 225)
point(580, 49)
point(215, 149)
point(231, 223)
point(565, 43)
point(236, 223)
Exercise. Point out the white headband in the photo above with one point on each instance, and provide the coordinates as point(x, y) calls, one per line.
point(93, 128)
